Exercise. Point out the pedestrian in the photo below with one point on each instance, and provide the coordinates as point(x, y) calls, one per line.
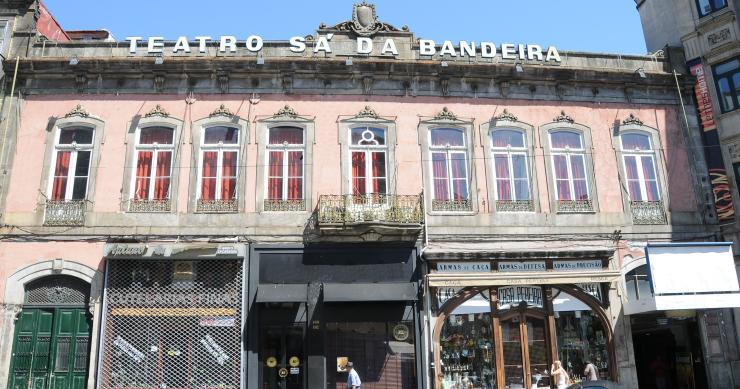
point(559, 374)
point(353, 379)
point(590, 372)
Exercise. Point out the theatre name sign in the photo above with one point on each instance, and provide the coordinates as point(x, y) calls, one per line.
point(323, 44)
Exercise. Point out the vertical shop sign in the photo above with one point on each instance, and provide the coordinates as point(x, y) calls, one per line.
point(717, 173)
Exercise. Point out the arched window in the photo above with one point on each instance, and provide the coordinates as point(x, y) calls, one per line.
point(637, 282)
point(285, 150)
point(449, 165)
point(73, 148)
point(640, 173)
point(153, 161)
point(218, 162)
point(510, 167)
point(368, 150)
point(569, 165)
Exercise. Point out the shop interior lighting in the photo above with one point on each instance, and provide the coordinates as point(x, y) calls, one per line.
point(158, 60)
point(74, 61)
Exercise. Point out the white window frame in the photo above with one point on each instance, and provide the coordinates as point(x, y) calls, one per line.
point(638, 154)
point(155, 148)
point(368, 150)
point(510, 151)
point(449, 151)
point(285, 148)
point(74, 148)
point(220, 148)
point(568, 153)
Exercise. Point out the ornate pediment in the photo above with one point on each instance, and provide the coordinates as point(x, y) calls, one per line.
point(222, 111)
point(286, 111)
point(563, 118)
point(367, 112)
point(445, 114)
point(632, 119)
point(364, 21)
point(78, 110)
point(157, 111)
point(506, 115)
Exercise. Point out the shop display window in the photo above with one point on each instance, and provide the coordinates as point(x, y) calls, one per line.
point(467, 354)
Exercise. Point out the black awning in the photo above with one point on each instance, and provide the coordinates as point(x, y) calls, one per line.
point(389, 291)
point(282, 293)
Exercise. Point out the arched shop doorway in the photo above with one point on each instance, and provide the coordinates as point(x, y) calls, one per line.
point(508, 336)
point(51, 343)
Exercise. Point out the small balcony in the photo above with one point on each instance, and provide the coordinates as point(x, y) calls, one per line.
point(68, 213)
point(150, 206)
point(463, 205)
point(648, 212)
point(403, 213)
point(575, 206)
point(216, 206)
point(514, 206)
point(296, 205)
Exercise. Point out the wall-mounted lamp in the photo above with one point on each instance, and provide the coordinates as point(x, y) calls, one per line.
point(519, 68)
point(260, 60)
point(158, 60)
point(444, 64)
point(348, 62)
point(74, 61)
point(641, 72)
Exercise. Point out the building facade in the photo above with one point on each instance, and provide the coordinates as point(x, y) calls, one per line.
point(238, 213)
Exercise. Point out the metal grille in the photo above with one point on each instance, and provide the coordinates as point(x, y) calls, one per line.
point(381, 208)
point(575, 206)
point(452, 205)
point(55, 291)
point(514, 206)
point(217, 206)
point(150, 206)
point(64, 213)
point(172, 324)
point(647, 212)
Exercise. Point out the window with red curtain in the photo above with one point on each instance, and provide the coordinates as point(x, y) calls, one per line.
point(639, 167)
point(154, 152)
point(510, 166)
point(219, 163)
point(569, 165)
point(71, 169)
point(285, 150)
point(368, 153)
point(449, 164)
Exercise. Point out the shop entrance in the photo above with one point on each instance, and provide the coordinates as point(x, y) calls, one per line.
point(524, 349)
point(51, 344)
point(282, 357)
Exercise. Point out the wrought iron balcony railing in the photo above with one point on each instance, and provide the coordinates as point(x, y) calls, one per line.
point(648, 212)
point(514, 206)
point(452, 205)
point(379, 208)
point(575, 206)
point(295, 205)
point(217, 206)
point(150, 206)
point(64, 213)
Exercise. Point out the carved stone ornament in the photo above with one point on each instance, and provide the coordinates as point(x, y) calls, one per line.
point(287, 111)
point(563, 118)
point(77, 111)
point(506, 115)
point(632, 119)
point(367, 112)
point(221, 111)
point(364, 21)
point(157, 111)
point(445, 114)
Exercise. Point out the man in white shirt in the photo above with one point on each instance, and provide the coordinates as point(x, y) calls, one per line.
point(353, 379)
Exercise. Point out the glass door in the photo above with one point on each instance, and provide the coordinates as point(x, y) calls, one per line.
point(282, 357)
point(511, 331)
point(525, 356)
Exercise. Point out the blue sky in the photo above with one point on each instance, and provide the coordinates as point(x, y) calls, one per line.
point(580, 25)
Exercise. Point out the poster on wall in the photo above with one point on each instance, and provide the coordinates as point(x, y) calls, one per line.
point(717, 174)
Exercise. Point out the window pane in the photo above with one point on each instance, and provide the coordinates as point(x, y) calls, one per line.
point(439, 165)
point(227, 135)
point(379, 185)
point(519, 165)
point(719, 4)
point(378, 172)
point(634, 188)
point(358, 173)
point(80, 188)
point(577, 167)
point(83, 163)
point(736, 83)
point(503, 190)
point(210, 166)
point(79, 135)
point(295, 175)
point(143, 171)
point(275, 176)
point(630, 167)
point(652, 190)
point(563, 139)
point(459, 189)
point(458, 165)
point(501, 166)
point(286, 135)
point(448, 137)
point(61, 170)
point(725, 92)
point(228, 188)
point(648, 169)
point(704, 7)
point(368, 136)
point(563, 188)
point(522, 189)
point(560, 163)
point(503, 138)
point(727, 66)
point(158, 135)
point(228, 165)
point(636, 142)
point(162, 181)
point(580, 190)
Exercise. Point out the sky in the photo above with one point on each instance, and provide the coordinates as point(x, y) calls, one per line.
point(611, 26)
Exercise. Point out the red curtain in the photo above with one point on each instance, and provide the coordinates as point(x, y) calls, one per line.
point(208, 181)
point(61, 171)
point(503, 184)
point(228, 175)
point(379, 169)
point(358, 173)
point(290, 135)
point(439, 172)
point(143, 169)
point(459, 176)
point(295, 175)
point(162, 184)
point(275, 176)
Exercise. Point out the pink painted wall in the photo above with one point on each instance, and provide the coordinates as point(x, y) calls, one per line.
point(117, 112)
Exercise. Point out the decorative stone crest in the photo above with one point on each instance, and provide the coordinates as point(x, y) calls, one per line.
point(367, 112)
point(632, 119)
point(157, 111)
point(364, 21)
point(287, 111)
point(221, 111)
point(506, 115)
point(445, 114)
point(77, 111)
point(563, 118)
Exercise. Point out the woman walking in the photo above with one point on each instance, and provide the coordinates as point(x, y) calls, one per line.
point(559, 375)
